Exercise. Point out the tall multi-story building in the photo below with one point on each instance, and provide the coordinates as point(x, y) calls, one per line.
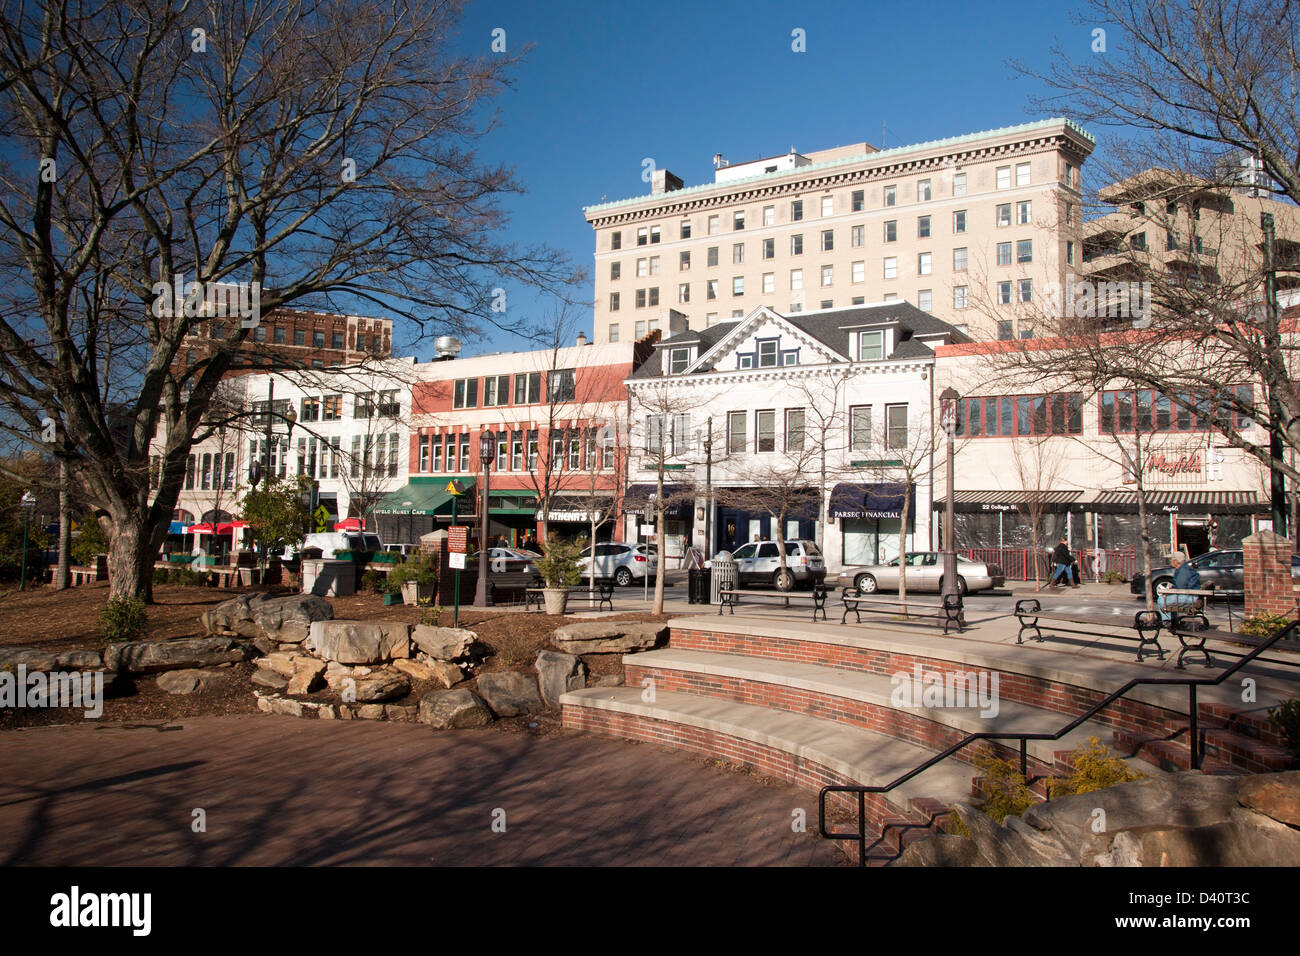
point(295, 338)
point(943, 225)
point(1186, 226)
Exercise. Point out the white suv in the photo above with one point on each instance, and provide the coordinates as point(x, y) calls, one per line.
point(759, 562)
point(624, 563)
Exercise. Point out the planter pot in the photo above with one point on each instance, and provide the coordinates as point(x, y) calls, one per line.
point(413, 593)
point(391, 598)
point(557, 600)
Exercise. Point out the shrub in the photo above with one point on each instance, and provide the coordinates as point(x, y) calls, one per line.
point(161, 575)
point(1264, 624)
point(419, 568)
point(1096, 767)
point(1286, 718)
point(372, 581)
point(90, 541)
point(123, 620)
point(559, 566)
point(1113, 577)
point(188, 576)
point(1005, 791)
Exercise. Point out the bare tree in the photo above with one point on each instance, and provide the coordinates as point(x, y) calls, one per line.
point(825, 431)
point(1037, 463)
point(312, 153)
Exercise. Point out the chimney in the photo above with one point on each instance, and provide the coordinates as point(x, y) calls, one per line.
point(582, 339)
point(664, 182)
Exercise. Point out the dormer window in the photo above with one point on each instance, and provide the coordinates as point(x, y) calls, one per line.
point(767, 354)
point(678, 361)
point(871, 346)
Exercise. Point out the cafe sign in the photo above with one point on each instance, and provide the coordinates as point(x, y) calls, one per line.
point(1194, 464)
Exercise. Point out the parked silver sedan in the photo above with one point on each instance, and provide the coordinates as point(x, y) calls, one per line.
point(924, 573)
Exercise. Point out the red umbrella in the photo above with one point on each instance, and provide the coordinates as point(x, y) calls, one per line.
point(350, 524)
point(205, 528)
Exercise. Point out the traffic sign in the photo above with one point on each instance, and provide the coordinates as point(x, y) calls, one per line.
point(458, 539)
point(321, 514)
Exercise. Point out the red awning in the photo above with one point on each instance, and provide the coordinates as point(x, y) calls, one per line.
point(351, 524)
point(225, 527)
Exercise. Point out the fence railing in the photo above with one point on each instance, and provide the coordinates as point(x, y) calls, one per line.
point(1018, 563)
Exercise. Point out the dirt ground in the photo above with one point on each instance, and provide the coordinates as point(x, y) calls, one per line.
point(67, 620)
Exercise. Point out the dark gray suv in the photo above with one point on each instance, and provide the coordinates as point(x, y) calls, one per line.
point(1223, 569)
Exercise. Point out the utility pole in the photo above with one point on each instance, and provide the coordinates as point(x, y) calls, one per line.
point(1277, 481)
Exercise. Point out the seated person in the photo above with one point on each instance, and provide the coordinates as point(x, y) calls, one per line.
point(1186, 578)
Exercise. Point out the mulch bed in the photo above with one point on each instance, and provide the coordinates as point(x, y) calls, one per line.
point(67, 620)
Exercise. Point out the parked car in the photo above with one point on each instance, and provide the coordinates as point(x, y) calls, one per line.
point(1221, 568)
point(331, 543)
point(624, 563)
point(512, 560)
point(924, 573)
point(759, 562)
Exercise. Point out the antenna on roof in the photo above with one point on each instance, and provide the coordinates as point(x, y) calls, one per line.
point(882, 135)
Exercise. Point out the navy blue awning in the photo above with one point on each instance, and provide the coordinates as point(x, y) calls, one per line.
point(881, 500)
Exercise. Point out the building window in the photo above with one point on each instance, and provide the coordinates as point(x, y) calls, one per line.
point(859, 428)
point(959, 221)
point(711, 289)
point(737, 253)
point(960, 296)
point(796, 245)
point(363, 403)
point(871, 345)
point(715, 225)
point(959, 184)
point(1004, 292)
point(765, 430)
point(794, 422)
point(856, 236)
point(859, 270)
point(1026, 290)
point(678, 361)
point(711, 256)
point(642, 268)
point(684, 292)
point(923, 261)
point(299, 336)
point(769, 248)
point(642, 236)
point(640, 298)
point(828, 240)
point(959, 259)
point(891, 195)
point(896, 426)
point(1022, 174)
point(769, 215)
point(858, 200)
point(613, 302)
point(1069, 252)
point(336, 341)
point(361, 341)
point(560, 386)
point(654, 234)
point(1004, 214)
point(613, 332)
point(259, 334)
point(616, 240)
point(278, 336)
point(1004, 253)
point(828, 276)
point(1004, 177)
point(1025, 250)
point(769, 282)
point(332, 408)
point(891, 267)
point(496, 390)
point(738, 285)
point(464, 393)
point(738, 220)
point(891, 230)
point(925, 300)
point(796, 210)
point(654, 265)
point(1023, 217)
point(736, 436)
point(684, 230)
point(796, 280)
point(435, 452)
point(923, 227)
point(318, 340)
point(1004, 330)
point(923, 191)
point(767, 353)
point(684, 261)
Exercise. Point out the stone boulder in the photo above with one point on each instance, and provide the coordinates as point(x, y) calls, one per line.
point(285, 620)
point(510, 693)
point(613, 637)
point(443, 643)
point(558, 674)
point(35, 659)
point(380, 686)
point(265, 677)
point(453, 710)
point(186, 681)
point(150, 657)
point(1275, 795)
point(1182, 819)
point(360, 642)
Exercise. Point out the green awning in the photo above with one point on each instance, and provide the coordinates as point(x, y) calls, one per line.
point(424, 497)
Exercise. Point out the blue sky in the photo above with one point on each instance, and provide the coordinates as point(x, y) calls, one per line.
point(608, 84)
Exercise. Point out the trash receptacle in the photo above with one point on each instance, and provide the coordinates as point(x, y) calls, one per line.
point(697, 585)
point(725, 575)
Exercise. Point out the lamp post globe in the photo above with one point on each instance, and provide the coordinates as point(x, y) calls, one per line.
point(487, 450)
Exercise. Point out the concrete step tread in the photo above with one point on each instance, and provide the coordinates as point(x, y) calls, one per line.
point(860, 756)
point(878, 689)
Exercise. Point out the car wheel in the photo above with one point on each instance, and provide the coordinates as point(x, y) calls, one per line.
point(783, 580)
point(622, 577)
point(1161, 586)
point(865, 583)
point(962, 588)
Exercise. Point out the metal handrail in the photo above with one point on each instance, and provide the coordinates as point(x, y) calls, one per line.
point(1193, 737)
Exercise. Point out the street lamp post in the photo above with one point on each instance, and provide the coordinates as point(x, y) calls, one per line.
point(487, 451)
point(28, 506)
point(948, 400)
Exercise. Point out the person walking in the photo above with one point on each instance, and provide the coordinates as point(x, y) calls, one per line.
point(1062, 558)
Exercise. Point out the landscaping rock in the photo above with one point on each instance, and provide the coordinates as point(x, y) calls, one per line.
point(381, 686)
point(613, 637)
point(453, 710)
point(443, 643)
point(1276, 795)
point(79, 660)
point(286, 619)
point(416, 670)
point(150, 657)
point(558, 674)
point(264, 644)
point(944, 849)
point(408, 712)
point(185, 681)
point(368, 711)
point(446, 673)
point(282, 662)
point(306, 675)
point(35, 659)
point(510, 693)
point(360, 642)
point(280, 705)
point(269, 678)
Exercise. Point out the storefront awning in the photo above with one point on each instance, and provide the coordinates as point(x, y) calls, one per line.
point(880, 500)
point(427, 498)
point(678, 496)
point(1049, 502)
point(1185, 502)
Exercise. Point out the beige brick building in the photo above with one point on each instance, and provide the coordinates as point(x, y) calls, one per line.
point(986, 217)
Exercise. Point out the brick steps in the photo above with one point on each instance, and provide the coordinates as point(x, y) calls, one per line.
point(1168, 754)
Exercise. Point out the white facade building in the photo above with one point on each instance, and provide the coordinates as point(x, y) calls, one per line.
point(819, 406)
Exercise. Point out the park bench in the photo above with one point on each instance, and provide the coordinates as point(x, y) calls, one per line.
point(518, 582)
point(949, 612)
point(603, 592)
point(1147, 624)
point(730, 598)
point(82, 575)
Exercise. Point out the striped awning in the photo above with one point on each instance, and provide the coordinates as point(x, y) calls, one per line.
point(1186, 502)
point(977, 502)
